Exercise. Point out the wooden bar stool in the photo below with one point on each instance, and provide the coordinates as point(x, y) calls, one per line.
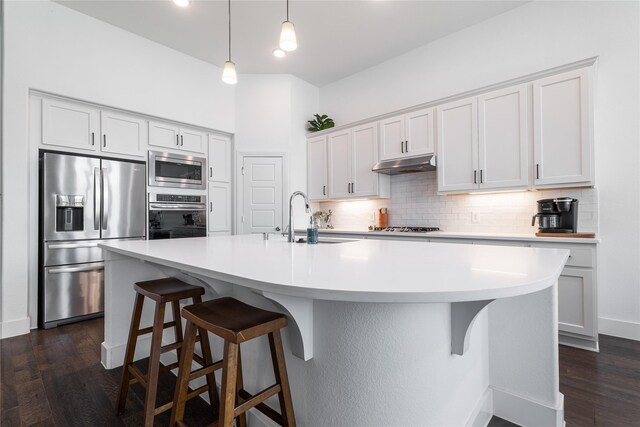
point(235, 322)
point(162, 291)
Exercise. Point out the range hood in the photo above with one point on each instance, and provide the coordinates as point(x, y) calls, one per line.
point(411, 165)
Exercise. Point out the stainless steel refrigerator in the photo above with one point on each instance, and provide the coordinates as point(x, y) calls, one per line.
point(83, 200)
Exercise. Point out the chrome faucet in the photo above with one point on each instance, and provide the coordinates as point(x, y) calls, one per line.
point(291, 235)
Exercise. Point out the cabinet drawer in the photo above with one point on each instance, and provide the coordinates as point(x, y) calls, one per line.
point(581, 256)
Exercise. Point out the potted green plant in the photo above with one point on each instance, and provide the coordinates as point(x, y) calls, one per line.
point(320, 122)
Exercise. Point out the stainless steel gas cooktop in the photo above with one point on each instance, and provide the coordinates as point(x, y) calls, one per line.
point(406, 229)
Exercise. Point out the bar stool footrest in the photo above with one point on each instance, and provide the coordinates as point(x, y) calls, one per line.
point(261, 406)
point(145, 331)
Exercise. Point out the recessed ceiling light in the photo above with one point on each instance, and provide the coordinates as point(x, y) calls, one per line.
point(182, 3)
point(279, 53)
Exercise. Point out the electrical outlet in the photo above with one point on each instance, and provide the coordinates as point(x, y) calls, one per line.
point(475, 217)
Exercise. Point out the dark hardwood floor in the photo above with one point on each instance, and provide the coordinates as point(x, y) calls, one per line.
point(54, 378)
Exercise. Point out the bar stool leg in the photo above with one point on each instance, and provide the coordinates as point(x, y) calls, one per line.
point(130, 353)
point(182, 383)
point(280, 370)
point(242, 418)
point(229, 373)
point(177, 319)
point(205, 345)
point(154, 365)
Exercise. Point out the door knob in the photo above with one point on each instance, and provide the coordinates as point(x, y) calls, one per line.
point(277, 228)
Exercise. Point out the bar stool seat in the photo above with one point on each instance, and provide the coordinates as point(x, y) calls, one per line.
point(162, 291)
point(235, 322)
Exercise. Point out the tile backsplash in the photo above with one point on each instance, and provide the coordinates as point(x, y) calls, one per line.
point(414, 201)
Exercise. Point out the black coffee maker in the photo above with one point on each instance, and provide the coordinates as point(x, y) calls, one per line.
point(557, 215)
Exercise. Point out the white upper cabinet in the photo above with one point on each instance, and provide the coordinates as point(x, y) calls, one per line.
point(339, 150)
point(419, 132)
point(408, 135)
point(317, 168)
point(219, 158)
point(503, 144)
point(122, 134)
point(164, 135)
point(364, 154)
point(170, 136)
point(562, 129)
point(458, 145)
point(193, 140)
point(68, 124)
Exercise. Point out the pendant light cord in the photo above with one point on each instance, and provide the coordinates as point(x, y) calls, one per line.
point(229, 30)
point(287, 10)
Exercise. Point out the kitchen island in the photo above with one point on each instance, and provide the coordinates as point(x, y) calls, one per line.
point(385, 332)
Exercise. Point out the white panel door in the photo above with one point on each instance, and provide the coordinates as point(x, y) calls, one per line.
point(219, 158)
point(419, 132)
point(364, 155)
point(503, 138)
point(392, 134)
point(193, 140)
point(562, 120)
point(317, 168)
point(262, 194)
point(68, 124)
point(219, 207)
point(576, 301)
point(339, 161)
point(122, 134)
point(458, 145)
point(164, 135)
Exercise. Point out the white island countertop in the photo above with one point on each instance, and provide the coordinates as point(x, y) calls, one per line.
point(358, 270)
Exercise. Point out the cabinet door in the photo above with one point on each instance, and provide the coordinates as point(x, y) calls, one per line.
point(419, 132)
point(67, 124)
point(339, 149)
point(317, 168)
point(392, 138)
point(219, 158)
point(193, 140)
point(364, 155)
point(164, 135)
point(503, 138)
point(219, 207)
point(458, 145)
point(562, 132)
point(122, 134)
point(576, 301)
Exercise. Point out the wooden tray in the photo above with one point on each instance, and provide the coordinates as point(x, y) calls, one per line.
point(579, 235)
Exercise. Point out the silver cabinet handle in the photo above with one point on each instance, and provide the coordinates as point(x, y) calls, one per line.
point(104, 140)
point(71, 245)
point(481, 178)
point(475, 180)
point(181, 140)
point(402, 146)
point(324, 190)
point(210, 206)
point(210, 172)
point(177, 139)
point(105, 200)
point(97, 196)
point(61, 270)
point(349, 187)
point(537, 170)
point(93, 138)
point(406, 146)
point(353, 187)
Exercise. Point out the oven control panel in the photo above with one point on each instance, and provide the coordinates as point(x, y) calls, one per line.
point(178, 198)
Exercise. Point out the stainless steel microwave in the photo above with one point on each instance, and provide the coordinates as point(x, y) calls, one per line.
point(176, 170)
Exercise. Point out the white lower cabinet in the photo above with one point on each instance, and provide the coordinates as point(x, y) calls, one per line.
point(219, 207)
point(576, 301)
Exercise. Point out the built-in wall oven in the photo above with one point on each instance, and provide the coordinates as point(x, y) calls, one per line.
point(177, 171)
point(174, 216)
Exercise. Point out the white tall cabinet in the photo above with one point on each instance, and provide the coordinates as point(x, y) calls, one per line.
point(339, 169)
point(220, 190)
point(563, 134)
point(317, 168)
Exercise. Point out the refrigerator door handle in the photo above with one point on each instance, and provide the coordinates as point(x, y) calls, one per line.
point(105, 200)
point(97, 197)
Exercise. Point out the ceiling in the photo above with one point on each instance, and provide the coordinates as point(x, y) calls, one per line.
point(335, 38)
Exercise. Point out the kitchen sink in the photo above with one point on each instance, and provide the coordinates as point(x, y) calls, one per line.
point(327, 241)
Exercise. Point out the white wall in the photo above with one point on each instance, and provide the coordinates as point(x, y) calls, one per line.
point(271, 114)
point(51, 48)
point(534, 37)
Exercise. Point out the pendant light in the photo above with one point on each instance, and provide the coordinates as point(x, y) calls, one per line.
point(288, 41)
point(229, 75)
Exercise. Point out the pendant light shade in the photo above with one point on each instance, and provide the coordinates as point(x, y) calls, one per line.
point(229, 75)
point(288, 41)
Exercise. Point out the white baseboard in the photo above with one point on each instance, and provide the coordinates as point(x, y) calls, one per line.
point(13, 328)
point(526, 412)
point(112, 357)
point(482, 413)
point(619, 328)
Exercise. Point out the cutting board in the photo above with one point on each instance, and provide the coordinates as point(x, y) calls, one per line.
point(579, 235)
